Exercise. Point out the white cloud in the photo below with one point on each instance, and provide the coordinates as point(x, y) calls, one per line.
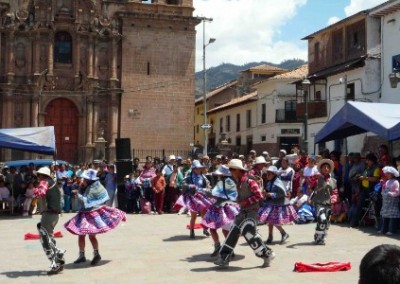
point(356, 6)
point(333, 20)
point(245, 30)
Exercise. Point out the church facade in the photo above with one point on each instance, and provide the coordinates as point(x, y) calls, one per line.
point(98, 71)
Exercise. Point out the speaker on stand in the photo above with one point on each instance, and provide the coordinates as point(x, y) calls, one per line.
point(123, 167)
point(123, 149)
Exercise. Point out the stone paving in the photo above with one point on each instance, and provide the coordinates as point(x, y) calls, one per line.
point(157, 249)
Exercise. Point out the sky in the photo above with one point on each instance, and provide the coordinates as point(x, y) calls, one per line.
point(265, 30)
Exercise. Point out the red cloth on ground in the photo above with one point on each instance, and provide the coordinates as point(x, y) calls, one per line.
point(196, 226)
point(322, 267)
point(30, 236)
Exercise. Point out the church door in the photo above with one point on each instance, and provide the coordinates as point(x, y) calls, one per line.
point(63, 115)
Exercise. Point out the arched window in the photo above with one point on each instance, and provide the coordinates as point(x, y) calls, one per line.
point(63, 48)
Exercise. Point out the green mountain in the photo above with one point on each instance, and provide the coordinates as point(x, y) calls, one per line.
point(225, 72)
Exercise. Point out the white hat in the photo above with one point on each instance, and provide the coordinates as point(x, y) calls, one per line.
point(390, 170)
point(44, 171)
point(236, 164)
point(218, 157)
point(272, 169)
point(325, 161)
point(265, 153)
point(223, 171)
point(90, 174)
point(197, 165)
point(283, 151)
point(260, 160)
point(253, 151)
point(127, 176)
point(171, 157)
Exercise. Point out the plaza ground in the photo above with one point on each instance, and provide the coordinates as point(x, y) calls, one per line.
point(157, 249)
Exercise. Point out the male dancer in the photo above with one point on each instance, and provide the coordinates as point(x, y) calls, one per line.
point(245, 223)
point(48, 189)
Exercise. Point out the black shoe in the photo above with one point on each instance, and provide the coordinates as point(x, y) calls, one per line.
point(80, 260)
point(95, 259)
point(191, 233)
point(217, 247)
point(55, 270)
point(269, 240)
point(206, 233)
point(233, 254)
point(284, 238)
point(222, 261)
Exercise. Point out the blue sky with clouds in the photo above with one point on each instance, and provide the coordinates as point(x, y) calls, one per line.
point(265, 30)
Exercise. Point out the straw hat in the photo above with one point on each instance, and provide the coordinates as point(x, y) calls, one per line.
point(260, 160)
point(44, 171)
point(197, 165)
point(236, 164)
point(325, 161)
point(171, 157)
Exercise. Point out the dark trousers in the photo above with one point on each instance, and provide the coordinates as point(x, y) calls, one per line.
point(149, 196)
point(364, 195)
point(171, 195)
point(389, 225)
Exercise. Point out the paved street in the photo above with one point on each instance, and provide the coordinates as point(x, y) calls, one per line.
point(157, 249)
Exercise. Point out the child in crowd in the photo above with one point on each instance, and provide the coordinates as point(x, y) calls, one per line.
point(339, 210)
point(29, 196)
point(158, 185)
point(5, 194)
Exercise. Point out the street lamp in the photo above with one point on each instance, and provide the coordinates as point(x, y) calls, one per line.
point(205, 126)
point(306, 88)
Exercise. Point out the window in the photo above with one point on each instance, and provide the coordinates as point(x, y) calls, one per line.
point(263, 113)
point(197, 128)
point(238, 141)
point(337, 45)
point(172, 2)
point(318, 95)
point(221, 125)
point(248, 118)
point(263, 138)
point(238, 122)
point(63, 48)
point(350, 92)
point(316, 54)
point(228, 123)
point(355, 39)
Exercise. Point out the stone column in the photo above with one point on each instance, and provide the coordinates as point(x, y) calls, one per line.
point(89, 119)
point(114, 76)
point(90, 58)
point(51, 54)
point(36, 58)
point(11, 58)
point(113, 124)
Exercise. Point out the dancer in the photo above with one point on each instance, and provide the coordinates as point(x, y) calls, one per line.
point(47, 189)
point(245, 223)
point(321, 199)
point(275, 211)
point(222, 213)
point(193, 198)
point(94, 217)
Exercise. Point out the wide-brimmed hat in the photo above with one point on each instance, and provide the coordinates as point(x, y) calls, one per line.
point(222, 171)
point(171, 157)
point(283, 151)
point(236, 164)
point(260, 160)
point(252, 152)
point(390, 170)
point(197, 165)
point(44, 171)
point(325, 161)
point(272, 169)
point(218, 157)
point(90, 174)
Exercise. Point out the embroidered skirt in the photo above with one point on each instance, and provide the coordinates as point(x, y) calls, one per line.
point(97, 221)
point(194, 203)
point(277, 214)
point(218, 216)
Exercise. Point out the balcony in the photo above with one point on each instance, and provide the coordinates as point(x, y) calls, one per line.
point(286, 116)
point(316, 109)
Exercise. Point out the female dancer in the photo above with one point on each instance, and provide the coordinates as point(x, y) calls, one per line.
point(275, 211)
point(193, 198)
point(222, 213)
point(94, 217)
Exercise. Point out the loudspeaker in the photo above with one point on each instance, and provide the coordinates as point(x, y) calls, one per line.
point(123, 168)
point(123, 149)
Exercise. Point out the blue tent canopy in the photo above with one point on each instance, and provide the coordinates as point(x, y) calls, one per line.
point(360, 117)
point(31, 139)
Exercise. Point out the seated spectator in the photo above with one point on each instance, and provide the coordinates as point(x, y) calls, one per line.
point(381, 265)
point(5, 194)
point(305, 210)
point(29, 196)
point(339, 210)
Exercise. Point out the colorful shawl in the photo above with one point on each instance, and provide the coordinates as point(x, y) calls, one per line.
point(95, 195)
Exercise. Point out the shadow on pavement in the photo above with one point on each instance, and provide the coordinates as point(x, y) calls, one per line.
point(207, 258)
point(18, 274)
point(73, 266)
point(183, 238)
point(225, 269)
point(305, 244)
